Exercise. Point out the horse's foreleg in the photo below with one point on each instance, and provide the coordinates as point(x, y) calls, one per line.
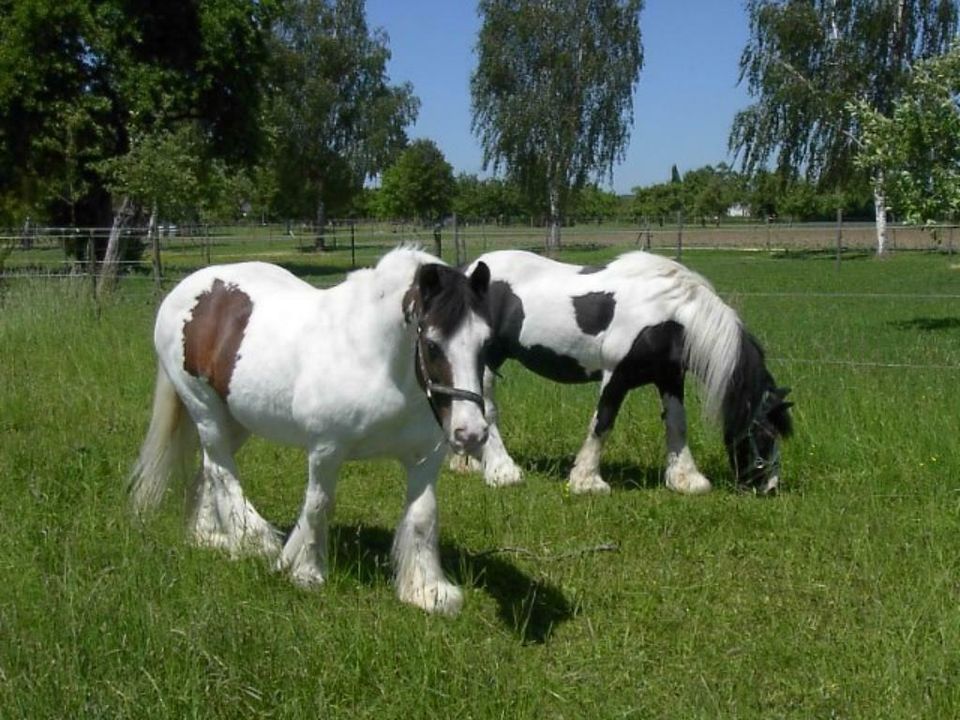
point(499, 469)
point(304, 555)
point(681, 474)
point(585, 475)
point(416, 553)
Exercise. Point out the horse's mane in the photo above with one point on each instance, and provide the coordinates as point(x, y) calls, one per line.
point(712, 329)
point(395, 270)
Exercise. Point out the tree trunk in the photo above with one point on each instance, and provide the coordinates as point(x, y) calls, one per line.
point(880, 210)
point(320, 243)
point(154, 236)
point(109, 268)
point(553, 238)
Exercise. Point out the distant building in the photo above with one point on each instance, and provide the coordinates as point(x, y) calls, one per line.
point(738, 210)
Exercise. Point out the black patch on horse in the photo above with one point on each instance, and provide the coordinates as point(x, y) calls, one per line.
point(591, 269)
point(506, 321)
point(656, 356)
point(594, 311)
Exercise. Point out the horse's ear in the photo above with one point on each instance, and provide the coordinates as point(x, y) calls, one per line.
point(428, 280)
point(480, 279)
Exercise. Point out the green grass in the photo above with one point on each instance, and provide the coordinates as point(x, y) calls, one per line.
point(840, 597)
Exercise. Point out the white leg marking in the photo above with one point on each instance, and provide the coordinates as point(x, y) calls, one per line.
point(220, 516)
point(416, 553)
point(499, 469)
point(463, 463)
point(585, 475)
point(683, 476)
point(304, 555)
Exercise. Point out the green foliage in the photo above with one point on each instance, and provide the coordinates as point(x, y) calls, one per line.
point(418, 185)
point(592, 203)
point(489, 200)
point(80, 79)
point(806, 60)
point(336, 121)
point(917, 146)
point(552, 91)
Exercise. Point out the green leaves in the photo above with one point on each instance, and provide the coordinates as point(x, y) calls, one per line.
point(552, 91)
point(807, 60)
point(917, 146)
point(419, 185)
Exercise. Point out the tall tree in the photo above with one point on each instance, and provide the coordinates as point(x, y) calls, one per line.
point(807, 60)
point(419, 184)
point(78, 78)
point(337, 120)
point(552, 92)
point(918, 145)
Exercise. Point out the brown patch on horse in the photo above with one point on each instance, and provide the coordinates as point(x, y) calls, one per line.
point(212, 336)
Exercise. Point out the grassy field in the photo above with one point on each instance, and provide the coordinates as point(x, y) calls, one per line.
point(838, 598)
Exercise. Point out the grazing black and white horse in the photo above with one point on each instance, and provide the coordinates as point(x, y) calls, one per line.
point(640, 319)
point(386, 364)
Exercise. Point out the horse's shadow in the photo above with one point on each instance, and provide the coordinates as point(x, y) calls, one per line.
point(624, 475)
point(620, 475)
point(928, 323)
point(530, 607)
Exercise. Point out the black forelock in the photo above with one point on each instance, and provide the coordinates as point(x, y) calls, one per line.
point(449, 304)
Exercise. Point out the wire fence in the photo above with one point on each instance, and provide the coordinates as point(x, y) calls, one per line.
point(71, 254)
point(58, 251)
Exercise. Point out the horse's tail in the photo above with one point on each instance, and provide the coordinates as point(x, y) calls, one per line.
point(169, 445)
point(711, 346)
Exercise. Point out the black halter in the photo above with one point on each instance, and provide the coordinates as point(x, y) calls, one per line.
point(758, 422)
point(432, 388)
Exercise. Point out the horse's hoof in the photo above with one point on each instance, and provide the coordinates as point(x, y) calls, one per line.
point(307, 578)
point(688, 484)
point(464, 464)
point(591, 484)
point(441, 598)
point(503, 475)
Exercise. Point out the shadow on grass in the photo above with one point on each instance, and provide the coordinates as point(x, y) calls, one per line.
point(529, 607)
point(620, 475)
point(927, 323)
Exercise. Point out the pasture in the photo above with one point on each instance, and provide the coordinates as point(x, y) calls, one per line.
point(839, 597)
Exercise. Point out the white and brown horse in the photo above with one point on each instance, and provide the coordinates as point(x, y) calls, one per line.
point(386, 364)
point(641, 319)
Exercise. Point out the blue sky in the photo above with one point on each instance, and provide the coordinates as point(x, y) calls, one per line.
point(683, 106)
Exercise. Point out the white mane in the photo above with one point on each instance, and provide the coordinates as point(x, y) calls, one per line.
point(712, 329)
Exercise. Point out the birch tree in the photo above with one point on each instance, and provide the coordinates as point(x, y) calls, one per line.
point(553, 93)
point(917, 147)
point(807, 61)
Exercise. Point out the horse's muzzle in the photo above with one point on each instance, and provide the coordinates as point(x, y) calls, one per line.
point(470, 441)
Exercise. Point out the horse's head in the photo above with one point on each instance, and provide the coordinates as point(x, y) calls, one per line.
point(450, 312)
point(755, 451)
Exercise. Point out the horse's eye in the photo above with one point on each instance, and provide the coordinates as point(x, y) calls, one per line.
point(433, 350)
point(759, 463)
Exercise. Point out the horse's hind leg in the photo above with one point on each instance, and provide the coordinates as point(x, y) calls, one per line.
point(219, 515)
point(304, 555)
point(416, 553)
point(681, 474)
point(585, 475)
point(499, 469)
